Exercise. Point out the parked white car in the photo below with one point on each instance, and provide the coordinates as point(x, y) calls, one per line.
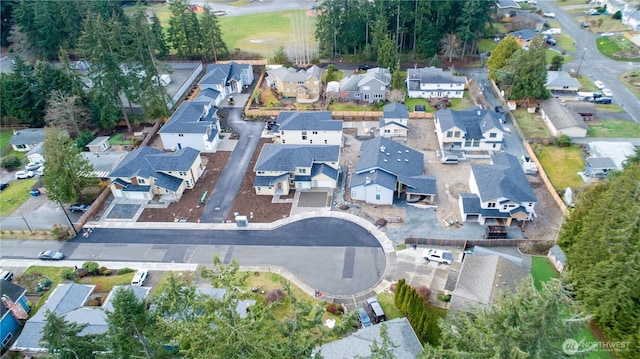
point(599, 84)
point(549, 14)
point(607, 92)
point(437, 255)
point(24, 174)
point(139, 277)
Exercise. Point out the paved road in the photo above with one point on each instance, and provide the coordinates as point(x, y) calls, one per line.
point(225, 190)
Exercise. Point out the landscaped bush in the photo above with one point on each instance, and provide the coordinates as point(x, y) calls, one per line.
point(11, 162)
point(424, 293)
point(335, 309)
point(101, 270)
point(124, 270)
point(68, 273)
point(564, 141)
point(60, 232)
point(92, 268)
point(444, 297)
point(81, 273)
point(274, 295)
point(106, 272)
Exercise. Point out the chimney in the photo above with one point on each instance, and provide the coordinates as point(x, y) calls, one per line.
point(15, 308)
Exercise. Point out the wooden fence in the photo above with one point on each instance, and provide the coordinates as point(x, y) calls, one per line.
point(464, 243)
point(338, 115)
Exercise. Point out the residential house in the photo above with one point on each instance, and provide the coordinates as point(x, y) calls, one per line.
point(524, 37)
point(307, 128)
point(370, 87)
point(227, 78)
point(470, 130)
point(194, 124)
point(616, 151)
point(395, 121)
point(507, 8)
point(561, 84)
point(146, 172)
point(560, 120)
point(282, 167)
point(103, 162)
point(35, 154)
point(404, 342)
point(483, 278)
point(99, 144)
point(215, 97)
point(13, 311)
point(585, 109)
point(303, 85)
point(499, 192)
point(557, 258)
point(27, 139)
point(631, 18)
point(597, 168)
point(388, 169)
point(70, 300)
point(432, 82)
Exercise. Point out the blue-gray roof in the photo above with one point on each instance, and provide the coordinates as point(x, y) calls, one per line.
point(140, 292)
point(192, 117)
point(262, 181)
point(474, 122)
point(557, 252)
point(350, 83)
point(321, 168)
point(524, 35)
point(431, 75)
point(406, 344)
point(395, 110)
point(601, 163)
point(28, 136)
point(221, 74)
point(307, 121)
point(374, 177)
point(208, 94)
point(278, 157)
point(149, 162)
point(470, 203)
point(379, 74)
point(390, 156)
point(503, 178)
point(422, 184)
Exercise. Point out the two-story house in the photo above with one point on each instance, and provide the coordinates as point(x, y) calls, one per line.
point(470, 130)
point(282, 167)
point(303, 85)
point(307, 128)
point(432, 82)
point(388, 169)
point(395, 121)
point(227, 78)
point(14, 310)
point(499, 192)
point(194, 124)
point(146, 172)
point(370, 87)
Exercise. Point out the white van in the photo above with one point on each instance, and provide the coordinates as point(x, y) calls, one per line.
point(139, 278)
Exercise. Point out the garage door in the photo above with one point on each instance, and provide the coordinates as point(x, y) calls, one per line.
point(137, 195)
point(323, 184)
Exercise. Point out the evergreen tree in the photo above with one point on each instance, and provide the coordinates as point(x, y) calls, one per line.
point(62, 338)
point(498, 59)
point(530, 73)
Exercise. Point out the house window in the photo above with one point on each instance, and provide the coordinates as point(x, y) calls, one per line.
point(315, 132)
point(456, 134)
point(7, 339)
point(386, 130)
point(365, 88)
point(449, 133)
point(357, 94)
point(182, 173)
point(283, 140)
point(325, 142)
point(467, 143)
point(476, 144)
point(181, 135)
point(21, 147)
point(304, 135)
point(491, 205)
point(378, 188)
point(141, 181)
point(311, 141)
point(302, 170)
point(188, 182)
point(493, 135)
point(377, 197)
point(260, 172)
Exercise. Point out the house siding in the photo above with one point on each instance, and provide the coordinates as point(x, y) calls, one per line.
point(295, 137)
point(372, 194)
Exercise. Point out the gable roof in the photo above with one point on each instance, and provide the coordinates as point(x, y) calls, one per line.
point(503, 178)
point(307, 121)
point(377, 73)
point(289, 74)
point(422, 184)
point(507, 4)
point(13, 291)
point(561, 79)
point(406, 343)
point(207, 95)
point(28, 136)
point(395, 110)
point(557, 252)
point(581, 107)
point(524, 35)
point(279, 157)
point(192, 117)
point(474, 122)
point(560, 116)
point(433, 75)
point(390, 156)
point(374, 178)
point(221, 74)
point(601, 163)
point(350, 83)
point(482, 278)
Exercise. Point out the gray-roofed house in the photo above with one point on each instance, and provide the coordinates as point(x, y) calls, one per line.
point(482, 279)
point(470, 130)
point(303, 85)
point(194, 124)
point(99, 144)
point(617, 151)
point(13, 311)
point(282, 167)
point(597, 168)
point(395, 121)
point(499, 191)
point(524, 37)
point(387, 169)
point(562, 121)
point(507, 8)
point(370, 87)
point(146, 172)
point(557, 258)
point(25, 140)
point(585, 109)
point(35, 154)
point(560, 82)
point(406, 344)
point(70, 301)
point(433, 82)
point(227, 78)
point(210, 95)
point(103, 163)
point(307, 128)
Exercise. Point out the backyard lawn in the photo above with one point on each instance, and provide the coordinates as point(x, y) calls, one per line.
point(487, 45)
point(412, 102)
point(460, 104)
point(531, 124)
point(15, 195)
point(614, 129)
point(352, 106)
point(120, 139)
point(550, 54)
point(5, 137)
point(562, 165)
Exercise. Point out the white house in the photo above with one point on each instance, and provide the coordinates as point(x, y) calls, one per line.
point(562, 121)
point(499, 191)
point(395, 121)
point(99, 144)
point(307, 128)
point(194, 124)
point(430, 82)
point(25, 140)
point(471, 130)
point(227, 78)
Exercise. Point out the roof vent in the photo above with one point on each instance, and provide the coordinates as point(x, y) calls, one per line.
point(399, 152)
point(407, 151)
point(388, 154)
point(406, 160)
point(382, 148)
point(479, 113)
point(367, 180)
point(385, 160)
point(399, 160)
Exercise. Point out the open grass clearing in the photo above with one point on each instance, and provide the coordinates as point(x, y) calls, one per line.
point(335, 76)
point(352, 106)
point(566, 42)
point(618, 48)
point(631, 79)
point(460, 104)
point(5, 137)
point(15, 195)
point(562, 164)
point(587, 85)
point(37, 274)
point(531, 124)
point(487, 45)
point(614, 129)
point(120, 139)
point(105, 284)
point(550, 54)
point(612, 107)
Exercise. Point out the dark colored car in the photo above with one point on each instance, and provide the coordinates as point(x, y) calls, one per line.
point(376, 310)
point(603, 100)
point(365, 321)
point(79, 207)
point(499, 109)
point(51, 255)
point(364, 67)
point(3, 186)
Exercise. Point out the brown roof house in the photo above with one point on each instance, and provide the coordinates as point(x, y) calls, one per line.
point(561, 120)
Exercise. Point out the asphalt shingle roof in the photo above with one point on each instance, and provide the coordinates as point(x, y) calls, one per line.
point(192, 117)
point(289, 74)
point(433, 75)
point(470, 203)
point(473, 122)
point(422, 184)
point(561, 79)
point(279, 157)
point(380, 74)
point(503, 178)
point(524, 35)
point(307, 121)
point(560, 116)
point(395, 110)
point(221, 74)
point(350, 83)
point(390, 156)
point(28, 136)
point(601, 162)
point(375, 178)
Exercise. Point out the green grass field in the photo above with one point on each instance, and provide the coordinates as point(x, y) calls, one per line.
point(460, 104)
point(487, 45)
point(615, 129)
point(350, 106)
point(542, 271)
point(5, 137)
point(618, 48)
point(550, 54)
point(566, 42)
point(561, 165)
point(117, 140)
point(412, 102)
point(531, 124)
point(15, 195)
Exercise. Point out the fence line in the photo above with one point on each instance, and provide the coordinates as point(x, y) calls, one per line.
point(463, 243)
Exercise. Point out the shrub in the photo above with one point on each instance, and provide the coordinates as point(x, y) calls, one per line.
point(60, 232)
point(106, 272)
point(11, 162)
point(101, 270)
point(124, 270)
point(617, 15)
point(564, 141)
point(274, 295)
point(91, 267)
point(424, 292)
point(68, 273)
point(444, 297)
point(335, 309)
point(81, 273)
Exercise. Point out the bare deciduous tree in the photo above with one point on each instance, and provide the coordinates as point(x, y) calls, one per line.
point(65, 111)
point(450, 46)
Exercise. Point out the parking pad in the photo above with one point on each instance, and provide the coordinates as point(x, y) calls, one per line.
point(312, 199)
point(123, 211)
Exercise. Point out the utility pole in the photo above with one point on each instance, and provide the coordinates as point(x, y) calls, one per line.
point(68, 218)
point(581, 59)
point(25, 222)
